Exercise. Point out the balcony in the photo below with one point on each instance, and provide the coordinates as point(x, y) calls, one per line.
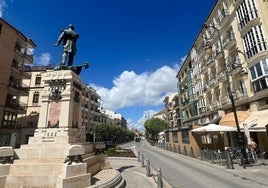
point(208, 88)
point(238, 95)
point(210, 62)
point(215, 105)
point(185, 102)
point(217, 55)
point(19, 69)
point(235, 66)
point(229, 41)
point(225, 100)
point(204, 69)
point(205, 87)
point(212, 81)
point(19, 108)
point(199, 93)
point(222, 19)
point(15, 88)
point(24, 53)
point(222, 76)
point(202, 109)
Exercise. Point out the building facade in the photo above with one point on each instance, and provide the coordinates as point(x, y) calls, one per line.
point(236, 33)
point(28, 121)
point(16, 51)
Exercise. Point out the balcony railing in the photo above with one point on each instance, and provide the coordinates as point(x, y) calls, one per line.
point(239, 95)
point(229, 40)
point(222, 76)
point(221, 19)
point(20, 69)
point(225, 100)
point(23, 52)
point(212, 81)
point(20, 87)
point(19, 107)
point(204, 69)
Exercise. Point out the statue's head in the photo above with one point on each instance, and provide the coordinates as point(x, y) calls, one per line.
point(71, 26)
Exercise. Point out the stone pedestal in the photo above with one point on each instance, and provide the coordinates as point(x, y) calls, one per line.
point(58, 155)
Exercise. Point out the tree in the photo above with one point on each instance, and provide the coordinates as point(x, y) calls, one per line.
point(113, 133)
point(154, 126)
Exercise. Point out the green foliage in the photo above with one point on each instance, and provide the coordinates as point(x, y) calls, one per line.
point(111, 151)
point(112, 133)
point(154, 126)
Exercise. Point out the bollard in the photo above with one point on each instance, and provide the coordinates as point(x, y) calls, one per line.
point(179, 149)
point(142, 160)
point(148, 170)
point(159, 178)
point(139, 156)
point(229, 160)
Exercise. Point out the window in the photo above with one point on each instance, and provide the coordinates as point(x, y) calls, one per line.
point(175, 137)
point(246, 12)
point(1, 25)
point(242, 88)
point(209, 139)
point(260, 84)
point(253, 73)
point(185, 136)
point(167, 136)
point(259, 75)
point(9, 120)
point(258, 69)
point(37, 80)
point(254, 41)
point(35, 97)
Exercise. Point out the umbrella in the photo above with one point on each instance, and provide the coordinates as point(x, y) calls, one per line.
point(214, 128)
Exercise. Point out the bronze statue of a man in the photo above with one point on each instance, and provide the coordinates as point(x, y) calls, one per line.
point(68, 38)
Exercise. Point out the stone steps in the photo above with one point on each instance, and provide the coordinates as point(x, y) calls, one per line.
point(48, 169)
point(108, 178)
point(47, 181)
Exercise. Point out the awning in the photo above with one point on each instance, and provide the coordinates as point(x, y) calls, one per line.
point(257, 121)
point(214, 128)
point(229, 120)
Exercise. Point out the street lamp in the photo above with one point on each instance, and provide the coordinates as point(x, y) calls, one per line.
point(243, 72)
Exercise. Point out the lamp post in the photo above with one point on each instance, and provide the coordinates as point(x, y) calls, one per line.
point(240, 137)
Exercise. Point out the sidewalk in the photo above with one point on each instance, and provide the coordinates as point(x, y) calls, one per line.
point(256, 173)
point(134, 174)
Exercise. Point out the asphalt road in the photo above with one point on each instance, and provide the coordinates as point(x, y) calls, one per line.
point(182, 171)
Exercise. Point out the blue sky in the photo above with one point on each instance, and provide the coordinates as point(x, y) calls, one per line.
point(134, 47)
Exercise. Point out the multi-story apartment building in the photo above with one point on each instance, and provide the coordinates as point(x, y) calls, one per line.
point(177, 134)
point(16, 51)
point(28, 121)
point(171, 110)
point(236, 32)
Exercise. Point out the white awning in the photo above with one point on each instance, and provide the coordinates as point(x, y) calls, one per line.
point(214, 128)
point(257, 121)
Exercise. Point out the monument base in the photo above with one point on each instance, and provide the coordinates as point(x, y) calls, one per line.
point(57, 156)
point(53, 164)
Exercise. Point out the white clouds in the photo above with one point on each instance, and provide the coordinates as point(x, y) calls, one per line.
point(140, 122)
point(3, 5)
point(43, 59)
point(131, 89)
point(146, 89)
